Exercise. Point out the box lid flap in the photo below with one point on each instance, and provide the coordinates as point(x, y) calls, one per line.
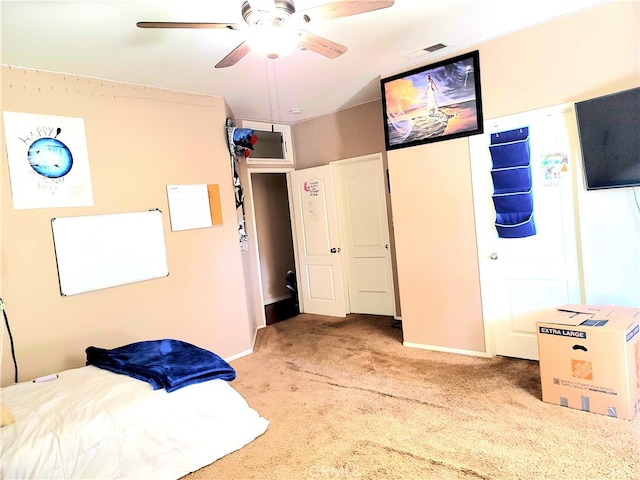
point(565, 317)
point(610, 317)
point(574, 307)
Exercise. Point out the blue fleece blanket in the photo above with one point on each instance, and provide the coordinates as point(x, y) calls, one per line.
point(169, 364)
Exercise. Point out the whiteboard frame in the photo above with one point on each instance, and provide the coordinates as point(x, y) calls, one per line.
point(94, 252)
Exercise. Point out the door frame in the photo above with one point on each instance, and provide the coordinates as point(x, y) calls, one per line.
point(492, 126)
point(253, 239)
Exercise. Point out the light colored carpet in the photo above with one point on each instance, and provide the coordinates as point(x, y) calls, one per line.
point(346, 400)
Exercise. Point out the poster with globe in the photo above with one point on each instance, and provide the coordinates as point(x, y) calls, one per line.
point(48, 161)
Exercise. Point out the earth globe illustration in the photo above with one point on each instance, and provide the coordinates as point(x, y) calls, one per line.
point(50, 157)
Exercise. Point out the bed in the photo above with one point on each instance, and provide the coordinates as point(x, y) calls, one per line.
point(94, 422)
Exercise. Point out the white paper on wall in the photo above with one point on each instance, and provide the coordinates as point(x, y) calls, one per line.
point(48, 161)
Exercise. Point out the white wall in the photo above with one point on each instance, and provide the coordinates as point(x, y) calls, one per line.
point(609, 237)
point(610, 233)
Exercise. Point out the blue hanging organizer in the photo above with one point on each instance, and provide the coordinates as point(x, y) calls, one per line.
point(512, 186)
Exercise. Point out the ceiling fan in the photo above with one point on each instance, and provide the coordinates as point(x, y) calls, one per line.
point(273, 27)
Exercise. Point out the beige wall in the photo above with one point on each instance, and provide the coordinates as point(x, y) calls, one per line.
point(436, 247)
point(139, 140)
point(349, 133)
point(576, 57)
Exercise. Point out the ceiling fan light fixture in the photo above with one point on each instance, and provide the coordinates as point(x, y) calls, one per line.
point(273, 27)
point(272, 39)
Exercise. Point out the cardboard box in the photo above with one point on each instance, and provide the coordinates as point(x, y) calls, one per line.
point(590, 359)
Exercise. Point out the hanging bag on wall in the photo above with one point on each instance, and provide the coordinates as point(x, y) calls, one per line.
point(512, 185)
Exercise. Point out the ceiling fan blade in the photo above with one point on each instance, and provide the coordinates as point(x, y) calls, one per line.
point(321, 45)
point(231, 26)
point(346, 8)
point(234, 56)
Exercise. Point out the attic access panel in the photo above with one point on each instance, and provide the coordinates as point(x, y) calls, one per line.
point(269, 145)
point(273, 145)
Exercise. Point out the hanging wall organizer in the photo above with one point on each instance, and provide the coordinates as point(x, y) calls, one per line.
point(512, 185)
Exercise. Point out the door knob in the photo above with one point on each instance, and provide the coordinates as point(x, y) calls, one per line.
point(493, 256)
point(335, 250)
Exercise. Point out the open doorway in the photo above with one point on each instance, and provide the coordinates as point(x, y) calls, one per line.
point(274, 251)
point(276, 260)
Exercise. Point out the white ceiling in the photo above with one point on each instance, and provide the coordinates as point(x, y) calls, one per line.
point(100, 39)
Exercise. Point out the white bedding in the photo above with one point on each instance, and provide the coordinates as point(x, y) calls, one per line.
point(92, 423)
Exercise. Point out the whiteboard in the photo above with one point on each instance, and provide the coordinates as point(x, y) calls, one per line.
point(102, 251)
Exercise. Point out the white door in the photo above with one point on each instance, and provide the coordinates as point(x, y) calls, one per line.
point(524, 279)
point(363, 208)
point(320, 272)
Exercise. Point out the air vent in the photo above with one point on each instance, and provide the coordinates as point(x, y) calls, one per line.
point(423, 51)
point(435, 47)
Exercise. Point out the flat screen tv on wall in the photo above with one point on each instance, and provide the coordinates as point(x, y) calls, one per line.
point(609, 132)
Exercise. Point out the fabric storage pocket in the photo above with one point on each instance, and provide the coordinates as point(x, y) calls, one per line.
point(515, 225)
point(512, 154)
point(519, 202)
point(521, 133)
point(511, 180)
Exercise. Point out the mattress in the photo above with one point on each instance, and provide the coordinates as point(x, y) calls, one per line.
point(92, 423)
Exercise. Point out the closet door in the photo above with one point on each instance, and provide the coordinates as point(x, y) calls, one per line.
point(362, 205)
point(320, 275)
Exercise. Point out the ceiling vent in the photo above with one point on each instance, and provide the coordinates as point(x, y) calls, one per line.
point(423, 51)
point(435, 47)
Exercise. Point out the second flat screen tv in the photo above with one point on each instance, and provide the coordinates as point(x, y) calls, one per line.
point(609, 132)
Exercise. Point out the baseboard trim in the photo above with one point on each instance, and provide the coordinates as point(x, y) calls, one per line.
point(239, 355)
point(253, 344)
point(437, 348)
